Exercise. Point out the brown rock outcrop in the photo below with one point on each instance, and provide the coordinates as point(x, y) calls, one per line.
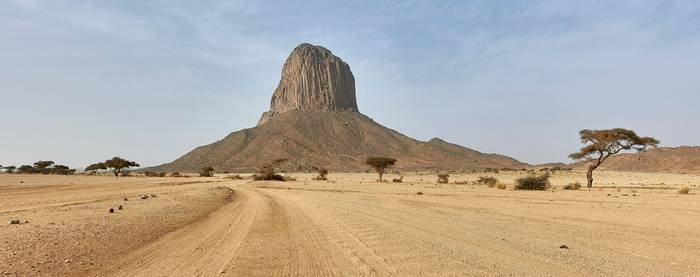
point(313, 79)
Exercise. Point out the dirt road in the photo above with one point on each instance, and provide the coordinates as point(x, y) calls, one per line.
point(353, 227)
point(277, 229)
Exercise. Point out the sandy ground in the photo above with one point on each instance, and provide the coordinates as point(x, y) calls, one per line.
point(635, 225)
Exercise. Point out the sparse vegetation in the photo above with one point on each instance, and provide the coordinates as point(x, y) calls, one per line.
point(605, 143)
point(533, 182)
point(175, 174)
point(117, 165)
point(206, 171)
point(322, 174)
point(501, 186)
point(397, 180)
point(40, 167)
point(443, 178)
point(268, 171)
point(380, 164)
point(487, 180)
point(234, 177)
point(572, 186)
point(684, 190)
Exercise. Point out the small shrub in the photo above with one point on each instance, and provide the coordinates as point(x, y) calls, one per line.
point(573, 186)
point(150, 174)
point(397, 180)
point(486, 180)
point(419, 193)
point(443, 178)
point(501, 186)
point(206, 171)
point(533, 182)
point(175, 174)
point(322, 175)
point(161, 174)
point(234, 177)
point(684, 190)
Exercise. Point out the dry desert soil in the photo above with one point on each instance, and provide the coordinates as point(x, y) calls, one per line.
point(631, 224)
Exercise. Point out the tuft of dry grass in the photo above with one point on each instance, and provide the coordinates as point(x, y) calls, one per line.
point(487, 180)
point(684, 190)
point(501, 186)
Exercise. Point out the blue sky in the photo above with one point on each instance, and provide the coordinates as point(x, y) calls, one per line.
point(81, 81)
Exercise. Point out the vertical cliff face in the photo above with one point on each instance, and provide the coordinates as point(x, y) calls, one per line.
point(313, 79)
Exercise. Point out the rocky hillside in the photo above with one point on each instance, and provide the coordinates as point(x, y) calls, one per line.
point(314, 122)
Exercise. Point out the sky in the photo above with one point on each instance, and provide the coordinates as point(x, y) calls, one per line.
point(82, 81)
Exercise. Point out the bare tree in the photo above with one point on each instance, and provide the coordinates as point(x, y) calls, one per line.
point(601, 144)
point(380, 164)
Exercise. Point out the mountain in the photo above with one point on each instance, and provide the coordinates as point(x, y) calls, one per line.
point(663, 159)
point(314, 121)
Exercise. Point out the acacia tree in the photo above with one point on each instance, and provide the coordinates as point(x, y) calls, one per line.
point(43, 166)
point(601, 144)
point(96, 167)
point(117, 164)
point(206, 171)
point(380, 164)
point(10, 169)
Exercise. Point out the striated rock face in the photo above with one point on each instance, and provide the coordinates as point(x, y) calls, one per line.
point(313, 79)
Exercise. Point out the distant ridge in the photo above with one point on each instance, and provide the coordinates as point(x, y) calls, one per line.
point(683, 159)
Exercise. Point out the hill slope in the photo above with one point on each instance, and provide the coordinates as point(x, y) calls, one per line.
point(335, 140)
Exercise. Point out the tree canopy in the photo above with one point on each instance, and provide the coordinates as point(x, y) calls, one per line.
point(601, 144)
point(117, 164)
point(380, 164)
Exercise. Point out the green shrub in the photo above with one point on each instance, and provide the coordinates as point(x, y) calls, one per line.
point(533, 182)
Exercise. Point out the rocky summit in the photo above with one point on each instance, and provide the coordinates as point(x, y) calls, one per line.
point(313, 79)
point(314, 122)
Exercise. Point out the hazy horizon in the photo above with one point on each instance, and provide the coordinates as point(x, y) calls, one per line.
point(152, 80)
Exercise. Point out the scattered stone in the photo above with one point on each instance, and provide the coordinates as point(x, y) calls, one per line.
point(144, 197)
point(111, 210)
point(120, 207)
point(563, 246)
point(66, 261)
point(14, 221)
point(126, 199)
point(154, 196)
point(625, 194)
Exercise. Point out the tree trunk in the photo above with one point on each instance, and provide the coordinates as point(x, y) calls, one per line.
point(589, 176)
point(380, 177)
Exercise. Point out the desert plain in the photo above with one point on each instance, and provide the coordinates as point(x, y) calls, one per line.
point(628, 224)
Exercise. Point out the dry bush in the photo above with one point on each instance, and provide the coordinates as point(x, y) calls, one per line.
point(533, 182)
point(443, 178)
point(150, 174)
point(572, 186)
point(397, 180)
point(501, 186)
point(684, 190)
point(233, 177)
point(486, 180)
point(322, 175)
point(175, 174)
